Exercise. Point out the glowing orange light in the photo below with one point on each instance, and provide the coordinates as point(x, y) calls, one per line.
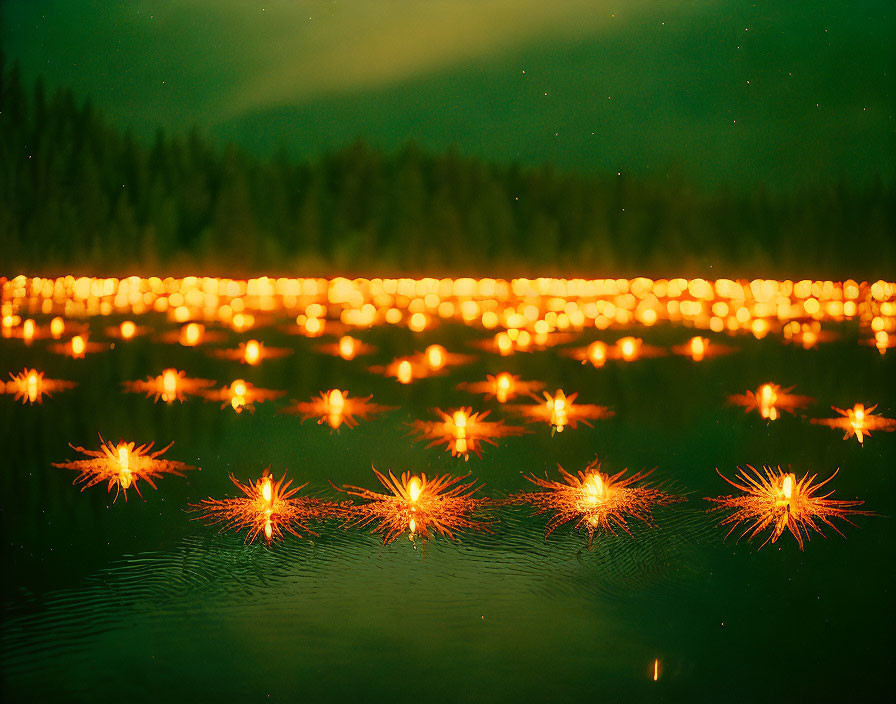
point(656, 670)
point(128, 329)
point(31, 386)
point(266, 507)
point(423, 507)
point(769, 399)
point(57, 327)
point(463, 431)
point(858, 421)
point(28, 330)
point(503, 387)
point(192, 334)
point(171, 385)
point(594, 500)
point(560, 411)
point(628, 348)
point(347, 347)
point(597, 353)
point(252, 352)
point(79, 345)
point(774, 498)
point(336, 407)
point(435, 356)
point(122, 465)
point(240, 395)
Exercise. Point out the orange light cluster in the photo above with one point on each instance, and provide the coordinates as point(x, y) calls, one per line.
point(122, 465)
point(335, 407)
point(775, 499)
point(30, 386)
point(528, 313)
point(417, 505)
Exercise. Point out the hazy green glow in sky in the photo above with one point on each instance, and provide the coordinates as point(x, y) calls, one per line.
point(769, 92)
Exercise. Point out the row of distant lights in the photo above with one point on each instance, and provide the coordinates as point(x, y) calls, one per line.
point(540, 306)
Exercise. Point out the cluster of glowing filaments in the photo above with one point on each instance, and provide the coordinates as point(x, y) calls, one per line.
point(240, 395)
point(776, 499)
point(335, 407)
point(418, 506)
point(267, 507)
point(169, 386)
point(503, 387)
point(595, 501)
point(122, 466)
point(858, 421)
point(463, 431)
point(30, 386)
point(560, 410)
point(769, 400)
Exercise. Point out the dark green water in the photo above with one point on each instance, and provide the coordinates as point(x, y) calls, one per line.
point(136, 602)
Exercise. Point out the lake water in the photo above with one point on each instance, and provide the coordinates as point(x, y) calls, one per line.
point(137, 602)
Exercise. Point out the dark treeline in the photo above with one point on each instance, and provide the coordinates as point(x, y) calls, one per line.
point(77, 194)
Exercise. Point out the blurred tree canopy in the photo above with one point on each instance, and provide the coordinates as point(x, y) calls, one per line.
point(78, 195)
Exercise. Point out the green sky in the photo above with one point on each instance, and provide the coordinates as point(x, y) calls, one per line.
point(782, 93)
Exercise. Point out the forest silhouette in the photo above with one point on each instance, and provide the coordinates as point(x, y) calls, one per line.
point(79, 195)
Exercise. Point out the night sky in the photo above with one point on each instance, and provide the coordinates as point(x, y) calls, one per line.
point(779, 93)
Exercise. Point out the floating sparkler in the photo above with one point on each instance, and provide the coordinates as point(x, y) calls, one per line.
point(596, 501)
point(463, 431)
point(594, 354)
point(127, 330)
point(774, 498)
point(503, 386)
point(77, 347)
point(348, 348)
point(192, 335)
point(267, 508)
point(122, 466)
point(628, 349)
point(31, 386)
point(858, 421)
point(171, 385)
point(252, 352)
point(699, 348)
point(769, 399)
point(403, 369)
point(561, 410)
point(423, 507)
point(335, 407)
point(241, 395)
